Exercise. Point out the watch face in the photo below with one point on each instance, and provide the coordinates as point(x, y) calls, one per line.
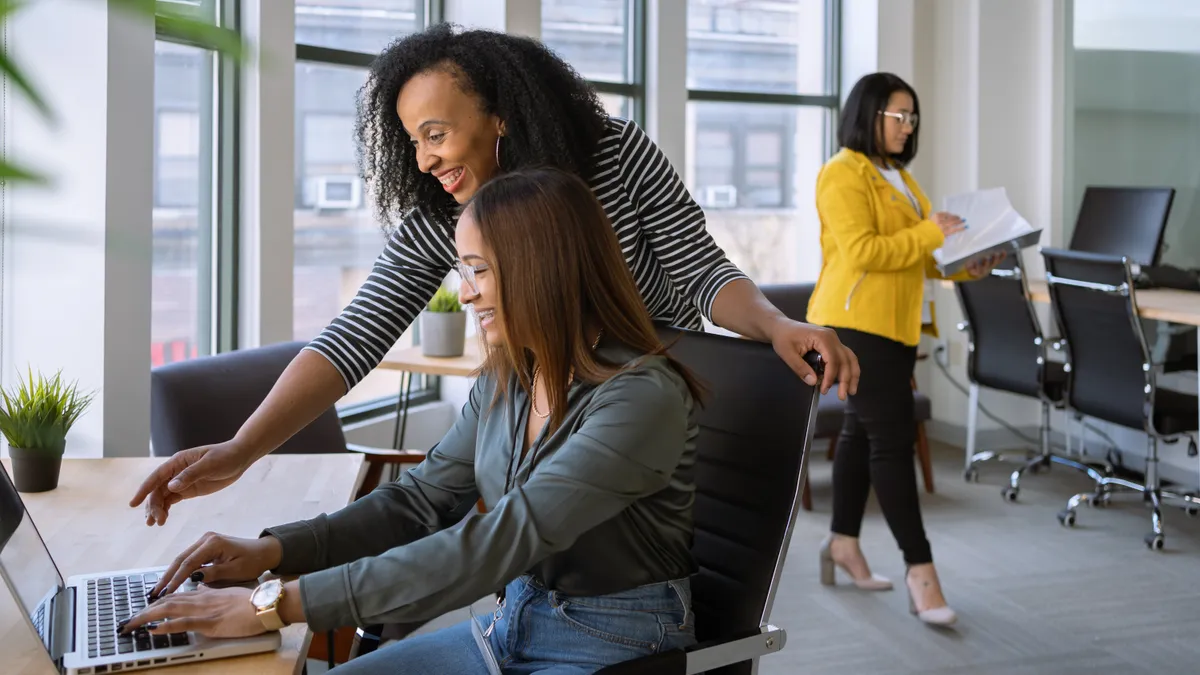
point(266, 594)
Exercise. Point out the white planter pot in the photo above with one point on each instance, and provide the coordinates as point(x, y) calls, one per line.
point(443, 334)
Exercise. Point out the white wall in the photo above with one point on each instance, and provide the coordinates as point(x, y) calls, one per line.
point(77, 255)
point(982, 70)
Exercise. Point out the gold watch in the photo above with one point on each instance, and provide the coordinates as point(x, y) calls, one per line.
point(266, 599)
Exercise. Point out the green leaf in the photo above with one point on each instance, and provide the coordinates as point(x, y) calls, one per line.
point(202, 34)
point(10, 70)
point(15, 174)
point(445, 300)
point(39, 412)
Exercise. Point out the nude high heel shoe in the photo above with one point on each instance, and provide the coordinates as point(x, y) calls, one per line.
point(938, 616)
point(829, 574)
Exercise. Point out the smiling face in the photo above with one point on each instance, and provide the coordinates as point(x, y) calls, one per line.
point(454, 138)
point(481, 292)
point(895, 130)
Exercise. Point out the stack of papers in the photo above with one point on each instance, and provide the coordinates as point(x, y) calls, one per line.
point(993, 225)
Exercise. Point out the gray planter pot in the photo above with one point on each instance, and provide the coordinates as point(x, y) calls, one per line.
point(35, 470)
point(443, 334)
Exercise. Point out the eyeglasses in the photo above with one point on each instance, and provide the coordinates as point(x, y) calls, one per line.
point(468, 272)
point(905, 117)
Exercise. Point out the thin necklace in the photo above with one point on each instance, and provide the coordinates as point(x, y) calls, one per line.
point(570, 378)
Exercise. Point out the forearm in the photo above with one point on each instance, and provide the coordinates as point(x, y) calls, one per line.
point(742, 308)
point(291, 606)
point(307, 388)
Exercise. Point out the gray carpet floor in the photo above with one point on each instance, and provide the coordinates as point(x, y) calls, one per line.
point(1032, 596)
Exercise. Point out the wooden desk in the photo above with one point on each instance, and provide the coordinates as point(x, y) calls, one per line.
point(88, 528)
point(411, 361)
point(1160, 304)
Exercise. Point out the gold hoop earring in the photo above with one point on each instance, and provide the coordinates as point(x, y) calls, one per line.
point(498, 164)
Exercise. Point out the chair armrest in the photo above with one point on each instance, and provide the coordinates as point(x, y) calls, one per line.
point(705, 656)
point(387, 455)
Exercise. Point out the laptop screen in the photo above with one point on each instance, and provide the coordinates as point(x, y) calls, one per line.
point(25, 563)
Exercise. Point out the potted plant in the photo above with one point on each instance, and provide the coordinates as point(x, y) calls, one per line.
point(35, 420)
point(443, 325)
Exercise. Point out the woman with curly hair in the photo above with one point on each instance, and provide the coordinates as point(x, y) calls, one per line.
point(579, 436)
point(442, 113)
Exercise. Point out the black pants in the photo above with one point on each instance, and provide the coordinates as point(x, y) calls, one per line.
point(876, 445)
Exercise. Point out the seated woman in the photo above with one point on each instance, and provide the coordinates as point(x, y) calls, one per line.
point(579, 435)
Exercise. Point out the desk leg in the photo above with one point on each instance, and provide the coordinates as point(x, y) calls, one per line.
point(401, 427)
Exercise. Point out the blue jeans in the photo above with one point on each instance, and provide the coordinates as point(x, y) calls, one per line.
point(542, 631)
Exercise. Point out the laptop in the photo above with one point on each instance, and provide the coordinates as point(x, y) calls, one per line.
point(76, 621)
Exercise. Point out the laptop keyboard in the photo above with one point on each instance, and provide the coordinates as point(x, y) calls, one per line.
point(111, 601)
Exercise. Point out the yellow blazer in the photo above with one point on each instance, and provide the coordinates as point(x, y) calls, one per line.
point(877, 251)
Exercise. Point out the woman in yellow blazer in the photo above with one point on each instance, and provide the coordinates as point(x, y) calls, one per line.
point(877, 239)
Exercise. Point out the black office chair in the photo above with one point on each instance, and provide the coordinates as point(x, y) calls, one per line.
point(756, 428)
point(1007, 351)
point(792, 300)
point(206, 400)
point(1110, 375)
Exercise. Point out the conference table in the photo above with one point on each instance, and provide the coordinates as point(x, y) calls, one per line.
point(89, 527)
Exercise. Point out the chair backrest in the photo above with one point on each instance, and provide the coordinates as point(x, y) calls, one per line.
point(1110, 377)
point(206, 400)
point(756, 427)
point(1007, 350)
point(1123, 221)
point(791, 299)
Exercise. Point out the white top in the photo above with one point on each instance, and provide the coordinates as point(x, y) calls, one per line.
point(894, 177)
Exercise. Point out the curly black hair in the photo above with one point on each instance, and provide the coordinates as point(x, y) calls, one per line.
point(552, 116)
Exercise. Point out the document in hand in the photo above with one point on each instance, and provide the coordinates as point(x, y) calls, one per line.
point(993, 225)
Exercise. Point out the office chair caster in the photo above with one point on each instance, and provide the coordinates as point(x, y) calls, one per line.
point(1010, 494)
point(1154, 542)
point(1191, 509)
point(971, 475)
point(1067, 517)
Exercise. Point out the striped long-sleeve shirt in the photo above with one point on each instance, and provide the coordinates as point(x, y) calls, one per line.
point(677, 266)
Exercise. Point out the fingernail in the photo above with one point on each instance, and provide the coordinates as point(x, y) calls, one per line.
point(810, 380)
point(121, 626)
point(197, 576)
point(174, 485)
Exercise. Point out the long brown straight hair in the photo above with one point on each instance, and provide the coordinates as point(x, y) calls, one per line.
point(561, 278)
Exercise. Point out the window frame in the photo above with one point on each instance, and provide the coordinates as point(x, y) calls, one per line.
point(829, 101)
point(220, 180)
point(425, 388)
point(636, 16)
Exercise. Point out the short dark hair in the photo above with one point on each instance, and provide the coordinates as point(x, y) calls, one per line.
point(861, 122)
point(552, 116)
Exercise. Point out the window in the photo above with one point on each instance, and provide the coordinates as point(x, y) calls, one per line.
point(601, 40)
point(336, 238)
point(761, 112)
point(362, 26)
point(181, 304)
point(1136, 118)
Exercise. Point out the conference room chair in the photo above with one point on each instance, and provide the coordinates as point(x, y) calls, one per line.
point(1110, 375)
point(1007, 351)
point(756, 428)
point(792, 300)
point(206, 400)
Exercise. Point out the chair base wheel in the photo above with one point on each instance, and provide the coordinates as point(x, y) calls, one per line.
point(971, 475)
point(1154, 542)
point(1066, 518)
point(1010, 494)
